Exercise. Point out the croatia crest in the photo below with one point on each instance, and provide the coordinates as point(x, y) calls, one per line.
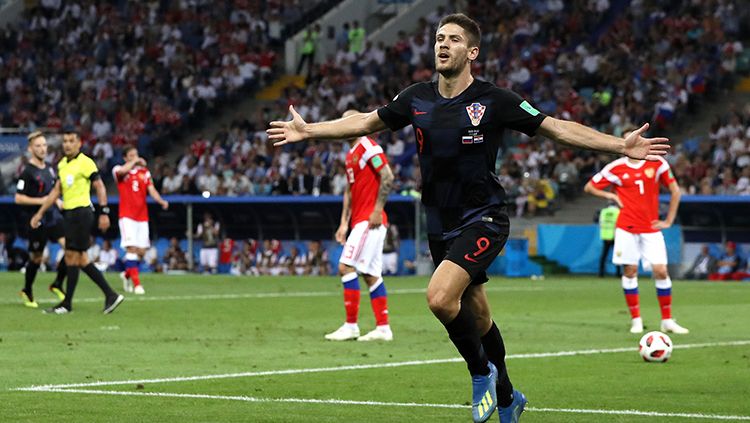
point(476, 111)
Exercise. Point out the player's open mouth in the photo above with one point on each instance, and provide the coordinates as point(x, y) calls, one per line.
point(443, 56)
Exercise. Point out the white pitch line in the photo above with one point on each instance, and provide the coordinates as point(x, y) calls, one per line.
point(397, 404)
point(302, 294)
point(360, 367)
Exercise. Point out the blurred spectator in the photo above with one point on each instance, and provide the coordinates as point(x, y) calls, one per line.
point(94, 250)
point(297, 262)
point(3, 252)
point(703, 265)
point(727, 265)
point(151, 259)
point(174, 257)
point(390, 250)
point(107, 257)
point(208, 232)
point(317, 260)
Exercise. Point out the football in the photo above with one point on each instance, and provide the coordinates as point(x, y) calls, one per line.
point(655, 347)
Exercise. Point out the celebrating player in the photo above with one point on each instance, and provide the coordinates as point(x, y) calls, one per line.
point(35, 182)
point(77, 174)
point(638, 234)
point(134, 183)
point(459, 122)
point(369, 182)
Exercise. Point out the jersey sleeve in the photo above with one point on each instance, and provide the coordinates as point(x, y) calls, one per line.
point(599, 181)
point(23, 186)
point(513, 112)
point(397, 113)
point(375, 157)
point(147, 179)
point(114, 172)
point(664, 174)
point(89, 169)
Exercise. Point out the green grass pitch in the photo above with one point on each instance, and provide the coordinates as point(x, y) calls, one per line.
point(265, 336)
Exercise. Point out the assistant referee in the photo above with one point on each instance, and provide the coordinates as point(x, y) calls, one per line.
point(77, 173)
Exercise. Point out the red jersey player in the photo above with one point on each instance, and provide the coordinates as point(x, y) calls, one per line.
point(638, 234)
point(134, 183)
point(369, 183)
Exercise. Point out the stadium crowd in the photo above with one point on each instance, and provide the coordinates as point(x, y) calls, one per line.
point(569, 69)
point(127, 72)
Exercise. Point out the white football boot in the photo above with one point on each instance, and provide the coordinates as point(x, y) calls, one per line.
point(636, 325)
point(669, 325)
point(346, 332)
point(138, 290)
point(381, 333)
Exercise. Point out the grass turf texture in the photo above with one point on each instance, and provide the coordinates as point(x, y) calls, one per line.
point(204, 325)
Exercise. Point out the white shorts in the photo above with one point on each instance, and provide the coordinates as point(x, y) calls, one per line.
point(134, 233)
point(630, 248)
point(209, 257)
point(364, 249)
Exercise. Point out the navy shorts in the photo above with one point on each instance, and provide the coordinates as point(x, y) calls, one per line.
point(474, 249)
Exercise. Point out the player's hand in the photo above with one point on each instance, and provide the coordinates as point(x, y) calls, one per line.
point(616, 198)
point(36, 220)
point(141, 162)
point(376, 219)
point(164, 205)
point(660, 224)
point(638, 147)
point(287, 132)
point(59, 203)
point(103, 222)
point(341, 234)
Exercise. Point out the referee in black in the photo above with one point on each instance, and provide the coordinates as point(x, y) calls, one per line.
point(77, 173)
point(458, 123)
point(36, 181)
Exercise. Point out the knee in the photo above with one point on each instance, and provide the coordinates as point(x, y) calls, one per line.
point(442, 306)
point(630, 271)
point(661, 272)
point(344, 269)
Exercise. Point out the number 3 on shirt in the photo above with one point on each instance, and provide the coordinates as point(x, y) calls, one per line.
point(640, 185)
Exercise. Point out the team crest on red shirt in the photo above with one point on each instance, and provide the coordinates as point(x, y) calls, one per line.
point(649, 173)
point(476, 111)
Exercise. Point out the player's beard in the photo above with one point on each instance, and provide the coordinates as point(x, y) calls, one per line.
point(451, 69)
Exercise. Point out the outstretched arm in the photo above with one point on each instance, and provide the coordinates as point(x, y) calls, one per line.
point(574, 134)
point(295, 130)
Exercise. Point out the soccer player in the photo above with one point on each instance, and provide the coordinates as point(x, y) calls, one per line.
point(459, 122)
point(638, 234)
point(35, 182)
point(369, 180)
point(77, 173)
point(134, 183)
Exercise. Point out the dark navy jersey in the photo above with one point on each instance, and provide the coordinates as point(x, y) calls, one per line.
point(38, 182)
point(457, 143)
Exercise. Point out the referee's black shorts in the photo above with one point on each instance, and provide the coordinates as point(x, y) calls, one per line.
point(474, 249)
point(78, 224)
point(38, 237)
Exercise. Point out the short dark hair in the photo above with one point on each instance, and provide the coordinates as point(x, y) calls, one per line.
point(127, 149)
point(34, 135)
point(470, 26)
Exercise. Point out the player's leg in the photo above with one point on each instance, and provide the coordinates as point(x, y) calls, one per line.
point(126, 243)
point(466, 258)
point(32, 266)
point(510, 402)
point(111, 298)
point(350, 283)
point(370, 265)
point(57, 234)
point(655, 251)
point(131, 269)
point(628, 253)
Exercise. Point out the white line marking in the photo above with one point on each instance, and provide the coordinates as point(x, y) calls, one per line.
point(361, 367)
point(266, 295)
point(399, 404)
